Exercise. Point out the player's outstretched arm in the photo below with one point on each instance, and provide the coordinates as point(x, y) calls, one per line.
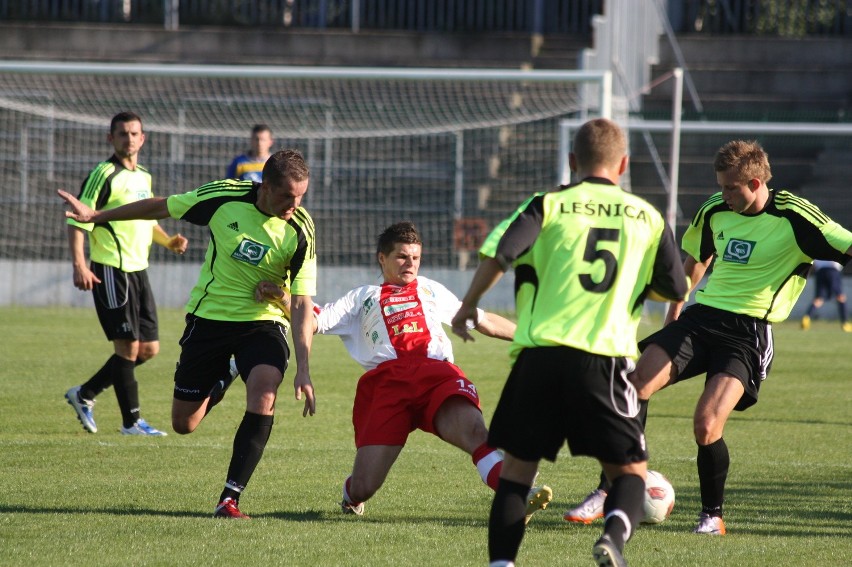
point(695, 271)
point(668, 280)
point(176, 243)
point(496, 326)
point(487, 274)
point(148, 209)
point(302, 323)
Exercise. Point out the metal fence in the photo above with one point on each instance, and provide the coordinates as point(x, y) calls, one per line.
point(530, 16)
point(758, 17)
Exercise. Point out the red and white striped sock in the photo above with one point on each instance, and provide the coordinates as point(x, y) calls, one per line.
point(489, 463)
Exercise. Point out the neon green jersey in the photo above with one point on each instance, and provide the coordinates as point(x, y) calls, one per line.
point(585, 258)
point(762, 260)
point(246, 246)
point(121, 244)
point(489, 246)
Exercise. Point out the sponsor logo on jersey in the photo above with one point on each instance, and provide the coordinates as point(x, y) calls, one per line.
point(721, 236)
point(400, 299)
point(413, 327)
point(391, 309)
point(250, 252)
point(738, 251)
point(234, 226)
point(399, 316)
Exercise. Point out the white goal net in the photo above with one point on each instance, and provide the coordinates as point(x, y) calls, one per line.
point(451, 149)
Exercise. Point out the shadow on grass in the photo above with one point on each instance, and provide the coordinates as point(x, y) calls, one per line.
point(314, 516)
point(22, 509)
point(777, 508)
point(334, 517)
point(739, 417)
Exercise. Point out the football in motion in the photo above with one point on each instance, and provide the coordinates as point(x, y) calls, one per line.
point(659, 498)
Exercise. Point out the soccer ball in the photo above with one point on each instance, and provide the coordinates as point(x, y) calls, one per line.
point(659, 498)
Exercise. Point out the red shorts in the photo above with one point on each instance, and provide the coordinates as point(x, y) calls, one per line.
point(402, 395)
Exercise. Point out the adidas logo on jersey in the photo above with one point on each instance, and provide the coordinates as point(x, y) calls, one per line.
point(721, 236)
point(234, 226)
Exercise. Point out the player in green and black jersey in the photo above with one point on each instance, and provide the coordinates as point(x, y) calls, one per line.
point(585, 259)
point(258, 233)
point(761, 243)
point(117, 275)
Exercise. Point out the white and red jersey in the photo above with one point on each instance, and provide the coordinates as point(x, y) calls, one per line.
point(381, 323)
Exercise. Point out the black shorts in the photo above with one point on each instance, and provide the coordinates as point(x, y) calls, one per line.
point(207, 346)
point(829, 283)
point(125, 304)
point(706, 340)
point(555, 394)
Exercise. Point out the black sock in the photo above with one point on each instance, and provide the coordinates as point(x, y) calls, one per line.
point(626, 497)
point(100, 381)
point(603, 483)
point(713, 463)
point(126, 390)
point(249, 443)
point(506, 521)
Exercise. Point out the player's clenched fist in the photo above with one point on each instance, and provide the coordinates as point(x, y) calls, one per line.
point(267, 291)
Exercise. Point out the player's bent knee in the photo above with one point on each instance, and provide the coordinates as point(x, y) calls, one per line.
point(185, 423)
point(183, 427)
point(706, 432)
point(147, 354)
point(361, 491)
point(653, 371)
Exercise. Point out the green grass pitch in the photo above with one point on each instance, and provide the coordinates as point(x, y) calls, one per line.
point(69, 497)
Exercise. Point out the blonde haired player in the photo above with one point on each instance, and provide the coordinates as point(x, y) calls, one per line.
point(761, 243)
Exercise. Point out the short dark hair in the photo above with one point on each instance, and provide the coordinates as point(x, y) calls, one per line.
point(400, 233)
point(599, 142)
point(284, 166)
point(122, 117)
point(258, 128)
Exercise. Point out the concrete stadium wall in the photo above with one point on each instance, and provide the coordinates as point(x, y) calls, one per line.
point(251, 46)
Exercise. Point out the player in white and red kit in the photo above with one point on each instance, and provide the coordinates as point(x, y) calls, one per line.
point(395, 332)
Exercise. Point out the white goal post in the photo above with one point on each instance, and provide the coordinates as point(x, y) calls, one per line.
point(454, 150)
point(834, 140)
